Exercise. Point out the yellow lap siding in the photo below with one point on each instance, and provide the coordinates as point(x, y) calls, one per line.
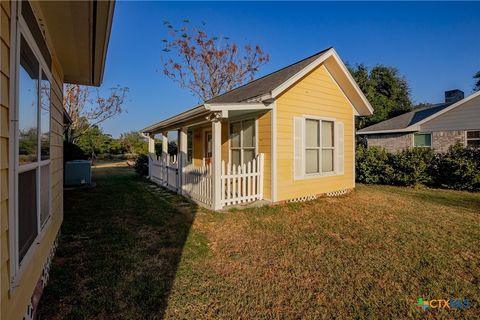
point(265, 147)
point(14, 304)
point(316, 94)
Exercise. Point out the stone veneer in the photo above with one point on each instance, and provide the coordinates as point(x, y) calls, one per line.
point(396, 142)
point(392, 142)
point(442, 140)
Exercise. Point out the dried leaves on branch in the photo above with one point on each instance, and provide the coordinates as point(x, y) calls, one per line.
point(208, 65)
point(87, 109)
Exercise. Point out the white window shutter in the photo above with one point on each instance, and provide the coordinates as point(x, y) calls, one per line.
point(339, 147)
point(298, 133)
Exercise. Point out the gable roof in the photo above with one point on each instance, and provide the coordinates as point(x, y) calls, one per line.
point(263, 90)
point(265, 84)
point(274, 84)
point(405, 120)
point(410, 121)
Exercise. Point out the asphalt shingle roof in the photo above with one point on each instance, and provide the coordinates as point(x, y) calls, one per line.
point(264, 84)
point(407, 119)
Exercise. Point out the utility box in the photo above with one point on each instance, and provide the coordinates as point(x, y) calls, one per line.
point(78, 172)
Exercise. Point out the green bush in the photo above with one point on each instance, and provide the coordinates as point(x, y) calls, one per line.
point(372, 165)
point(72, 151)
point(141, 165)
point(411, 167)
point(458, 168)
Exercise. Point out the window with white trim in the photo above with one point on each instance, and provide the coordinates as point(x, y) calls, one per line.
point(32, 201)
point(422, 140)
point(242, 141)
point(473, 138)
point(319, 146)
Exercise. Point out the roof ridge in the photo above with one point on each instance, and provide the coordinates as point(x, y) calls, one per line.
point(271, 73)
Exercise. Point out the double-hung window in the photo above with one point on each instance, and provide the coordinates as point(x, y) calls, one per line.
point(242, 141)
point(473, 138)
point(319, 146)
point(32, 199)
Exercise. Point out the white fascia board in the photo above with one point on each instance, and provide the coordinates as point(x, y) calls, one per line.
point(179, 117)
point(331, 53)
point(287, 84)
point(237, 106)
point(453, 106)
point(407, 129)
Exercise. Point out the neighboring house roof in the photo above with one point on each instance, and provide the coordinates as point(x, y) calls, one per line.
point(410, 121)
point(263, 90)
point(265, 84)
point(406, 120)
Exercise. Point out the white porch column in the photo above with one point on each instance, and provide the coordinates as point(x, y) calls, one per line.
point(151, 149)
point(151, 143)
point(216, 162)
point(181, 155)
point(165, 146)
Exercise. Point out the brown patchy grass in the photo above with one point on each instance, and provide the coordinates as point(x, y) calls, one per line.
point(367, 255)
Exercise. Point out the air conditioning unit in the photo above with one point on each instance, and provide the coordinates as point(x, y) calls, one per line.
point(78, 172)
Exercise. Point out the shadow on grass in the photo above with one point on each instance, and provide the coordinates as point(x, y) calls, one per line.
point(120, 246)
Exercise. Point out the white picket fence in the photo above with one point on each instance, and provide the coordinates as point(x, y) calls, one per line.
point(239, 184)
point(164, 173)
point(242, 184)
point(197, 183)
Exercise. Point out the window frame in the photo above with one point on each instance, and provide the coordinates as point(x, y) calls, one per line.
point(18, 29)
point(320, 148)
point(422, 133)
point(471, 139)
point(241, 147)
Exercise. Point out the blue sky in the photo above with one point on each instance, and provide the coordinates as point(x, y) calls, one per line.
point(434, 45)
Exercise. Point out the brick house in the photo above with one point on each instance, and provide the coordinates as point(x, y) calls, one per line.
point(437, 126)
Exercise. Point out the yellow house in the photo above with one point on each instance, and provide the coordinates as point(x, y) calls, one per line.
point(288, 136)
point(43, 44)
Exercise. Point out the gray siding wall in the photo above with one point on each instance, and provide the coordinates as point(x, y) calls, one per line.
point(464, 117)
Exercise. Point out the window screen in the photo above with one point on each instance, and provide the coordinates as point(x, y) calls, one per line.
point(27, 210)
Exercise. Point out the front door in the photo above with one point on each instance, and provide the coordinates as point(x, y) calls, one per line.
point(208, 147)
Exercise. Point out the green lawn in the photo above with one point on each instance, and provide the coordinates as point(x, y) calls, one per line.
point(130, 250)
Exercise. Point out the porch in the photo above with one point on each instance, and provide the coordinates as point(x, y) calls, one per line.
point(219, 160)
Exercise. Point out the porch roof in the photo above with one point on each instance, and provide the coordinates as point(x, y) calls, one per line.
point(201, 113)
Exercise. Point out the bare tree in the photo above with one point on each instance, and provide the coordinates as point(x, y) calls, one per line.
point(208, 65)
point(87, 111)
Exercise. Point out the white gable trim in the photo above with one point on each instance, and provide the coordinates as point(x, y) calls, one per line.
point(330, 53)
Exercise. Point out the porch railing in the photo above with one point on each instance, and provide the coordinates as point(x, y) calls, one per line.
point(239, 184)
point(197, 182)
point(163, 172)
point(242, 184)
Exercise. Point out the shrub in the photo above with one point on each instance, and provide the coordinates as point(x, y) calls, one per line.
point(372, 165)
point(72, 151)
point(411, 167)
point(141, 165)
point(458, 168)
